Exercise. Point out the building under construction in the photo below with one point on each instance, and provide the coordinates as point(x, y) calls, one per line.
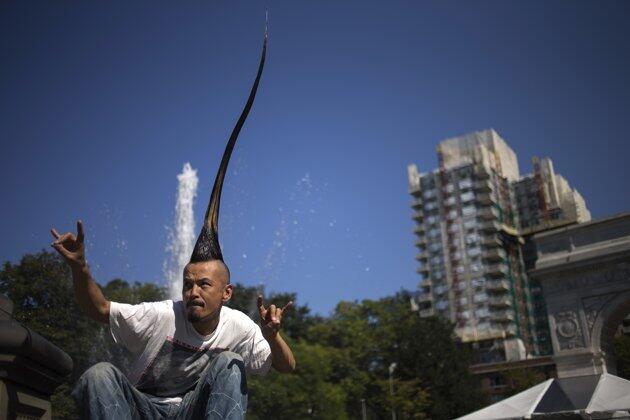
point(474, 216)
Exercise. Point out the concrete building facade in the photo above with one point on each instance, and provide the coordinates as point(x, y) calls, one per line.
point(472, 242)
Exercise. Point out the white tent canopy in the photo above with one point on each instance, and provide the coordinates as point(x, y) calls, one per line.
point(595, 396)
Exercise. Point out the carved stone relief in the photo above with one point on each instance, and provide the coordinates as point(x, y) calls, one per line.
point(592, 306)
point(568, 330)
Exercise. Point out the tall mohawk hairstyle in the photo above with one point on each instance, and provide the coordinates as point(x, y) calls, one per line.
point(207, 247)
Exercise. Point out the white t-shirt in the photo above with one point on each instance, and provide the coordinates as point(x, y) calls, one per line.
point(171, 354)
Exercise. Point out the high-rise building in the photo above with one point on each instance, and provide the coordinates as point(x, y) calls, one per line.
point(474, 214)
point(545, 200)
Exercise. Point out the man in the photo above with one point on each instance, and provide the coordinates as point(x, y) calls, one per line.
point(192, 355)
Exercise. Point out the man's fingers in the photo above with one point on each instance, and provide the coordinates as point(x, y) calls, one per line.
point(54, 232)
point(80, 234)
point(287, 306)
point(280, 312)
point(261, 307)
point(60, 249)
point(66, 237)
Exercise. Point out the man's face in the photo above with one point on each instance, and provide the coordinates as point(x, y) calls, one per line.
point(205, 289)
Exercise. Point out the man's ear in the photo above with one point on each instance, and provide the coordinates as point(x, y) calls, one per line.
point(227, 293)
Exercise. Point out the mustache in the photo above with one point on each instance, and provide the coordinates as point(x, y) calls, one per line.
point(194, 303)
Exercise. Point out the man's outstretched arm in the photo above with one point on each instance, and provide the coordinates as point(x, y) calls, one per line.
point(89, 295)
point(271, 320)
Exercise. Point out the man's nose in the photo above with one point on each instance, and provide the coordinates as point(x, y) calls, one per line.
point(194, 291)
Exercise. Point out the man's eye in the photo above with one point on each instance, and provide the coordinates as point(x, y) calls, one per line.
point(187, 286)
point(205, 284)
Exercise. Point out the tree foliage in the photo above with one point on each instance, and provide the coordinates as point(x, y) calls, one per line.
point(41, 289)
point(342, 360)
point(431, 377)
point(622, 355)
point(519, 380)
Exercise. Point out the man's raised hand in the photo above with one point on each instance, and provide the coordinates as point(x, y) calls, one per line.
point(70, 247)
point(271, 318)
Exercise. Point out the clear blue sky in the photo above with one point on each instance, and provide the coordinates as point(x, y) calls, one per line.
point(102, 104)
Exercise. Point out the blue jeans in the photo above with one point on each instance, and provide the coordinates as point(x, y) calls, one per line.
point(103, 392)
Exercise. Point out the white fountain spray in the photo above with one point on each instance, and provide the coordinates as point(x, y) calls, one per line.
point(182, 238)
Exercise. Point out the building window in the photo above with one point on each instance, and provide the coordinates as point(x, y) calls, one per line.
point(468, 210)
point(441, 305)
point(478, 282)
point(429, 194)
point(474, 251)
point(480, 298)
point(437, 260)
point(465, 183)
point(467, 196)
point(430, 206)
point(483, 326)
point(469, 224)
point(482, 312)
point(497, 381)
point(472, 238)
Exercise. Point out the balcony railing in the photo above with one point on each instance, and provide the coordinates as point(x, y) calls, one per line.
point(423, 269)
point(482, 172)
point(422, 256)
point(421, 242)
point(502, 301)
point(425, 297)
point(490, 240)
point(418, 215)
point(494, 254)
point(497, 285)
point(484, 186)
point(484, 198)
point(502, 316)
point(496, 270)
point(488, 213)
point(490, 226)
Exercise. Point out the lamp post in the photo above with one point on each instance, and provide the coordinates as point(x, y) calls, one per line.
point(392, 367)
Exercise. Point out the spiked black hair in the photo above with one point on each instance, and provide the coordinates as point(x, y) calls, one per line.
point(207, 247)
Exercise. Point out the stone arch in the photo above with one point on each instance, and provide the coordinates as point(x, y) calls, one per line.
point(606, 324)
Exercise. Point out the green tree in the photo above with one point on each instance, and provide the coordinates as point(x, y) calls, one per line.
point(308, 393)
point(40, 287)
point(430, 364)
point(519, 380)
point(119, 290)
point(622, 355)
point(244, 299)
point(409, 399)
